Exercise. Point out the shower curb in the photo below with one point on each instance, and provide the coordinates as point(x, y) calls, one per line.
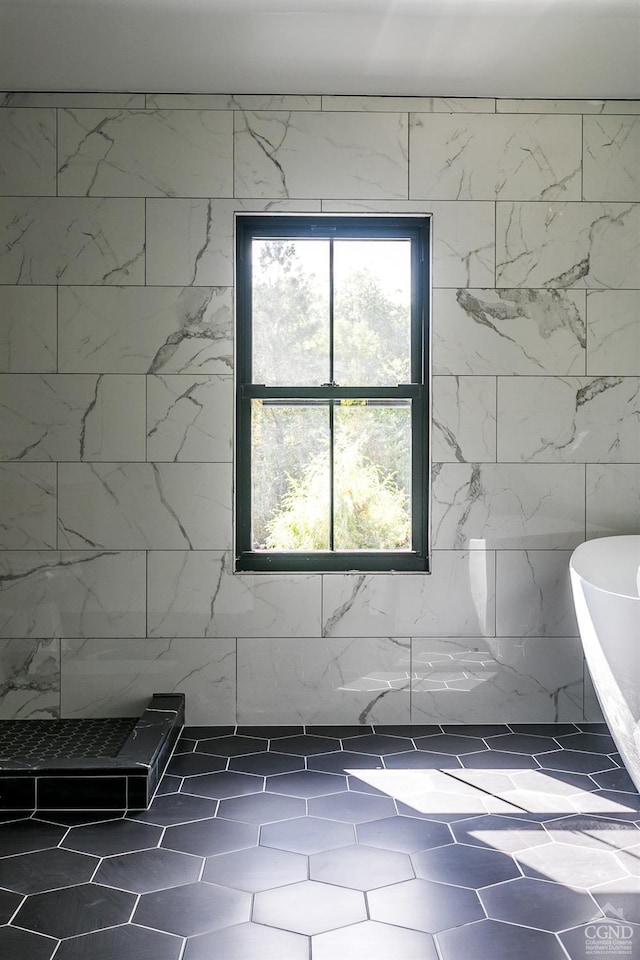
point(126, 781)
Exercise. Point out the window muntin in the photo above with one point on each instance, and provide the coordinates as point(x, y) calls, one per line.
point(332, 425)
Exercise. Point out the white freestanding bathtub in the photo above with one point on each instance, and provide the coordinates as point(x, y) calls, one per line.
point(605, 578)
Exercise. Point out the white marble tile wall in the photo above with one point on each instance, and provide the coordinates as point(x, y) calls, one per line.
point(116, 403)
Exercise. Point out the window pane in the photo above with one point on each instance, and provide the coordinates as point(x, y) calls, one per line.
point(290, 304)
point(372, 312)
point(290, 483)
point(372, 476)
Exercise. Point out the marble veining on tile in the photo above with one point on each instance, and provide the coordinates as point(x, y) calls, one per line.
point(27, 506)
point(65, 240)
point(145, 330)
point(337, 155)
point(190, 417)
point(29, 679)
point(27, 152)
point(612, 158)
point(464, 419)
point(28, 329)
point(613, 331)
point(140, 153)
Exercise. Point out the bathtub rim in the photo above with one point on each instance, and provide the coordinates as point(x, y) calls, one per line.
point(584, 548)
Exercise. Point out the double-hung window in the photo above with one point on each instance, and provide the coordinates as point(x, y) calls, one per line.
point(332, 393)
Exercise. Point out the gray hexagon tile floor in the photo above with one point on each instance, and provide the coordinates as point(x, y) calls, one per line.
point(483, 842)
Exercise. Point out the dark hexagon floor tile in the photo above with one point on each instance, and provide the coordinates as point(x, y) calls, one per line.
point(220, 786)
point(590, 742)
point(127, 942)
point(116, 836)
point(208, 837)
point(259, 808)
point(499, 760)
point(424, 905)
point(269, 732)
point(403, 834)
point(570, 864)
point(360, 867)
point(465, 866)
point(358, 784)
point(168, 785)
point(494, 940)
point(525, 743)
point(562, 783)
point(18, 944)
point(617, 901)
point(351, 807)
point(574, 761)
point(420, 760)
point(148, 870)
point(371, 940)
point(193, 909)
point(338, 732)
point(451, 744)
point(610, 937)
point(616, 779)
point(309, 907)
point(176, 808)
point(477, 729)
point(409, 730)
point(184, 745)
point(46, 870)
point(248, 941)
point(506, 834)
point(343, 760)
point(597, 833)
point(376, 744)
point(26, 836)
point(306, 835)
point(206, 733)
point(9, 903)
point(306, 783)
point(266, 763)
point(192, 764)
point(257, 868)
point(306, 745)
point(538, 903)
point(232, 746)
point(544, 729)
point(75, 910)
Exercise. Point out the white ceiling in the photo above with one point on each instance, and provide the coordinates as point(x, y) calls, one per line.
point(514, 48)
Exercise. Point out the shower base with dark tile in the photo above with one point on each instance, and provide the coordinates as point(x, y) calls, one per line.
point(88, 764)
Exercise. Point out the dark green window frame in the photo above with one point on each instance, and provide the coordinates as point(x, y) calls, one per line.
point(269, 226)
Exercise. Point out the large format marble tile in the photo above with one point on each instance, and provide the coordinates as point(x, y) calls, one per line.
point(135, 506)
point(463, 419)
point(238, 101)
point(72, 594)
point(190, 417)
point(62, 240)
point(191, 241)
point(145, 330)
point(323, 680)
point(337, 155)
point(463, 236)
point(117, 677)
point(568, 106)
point(410, 104)
point(196, 594)
point(72, 417)
point(506, 680)
point(612, 158)
point(28, 329)
point(613, 332)
point(508, 331)
point(27, 506)
point(567, 244)
point(71, 100)
point(457, 599)
point(533, 594)
point(613, 499)
point(29, 679)
point(27, 153)
point(494, 157)
point(507, 506)
point(569, 419)
point(145, 153)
